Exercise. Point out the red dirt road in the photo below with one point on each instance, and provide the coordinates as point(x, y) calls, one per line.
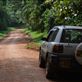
point(18, 64)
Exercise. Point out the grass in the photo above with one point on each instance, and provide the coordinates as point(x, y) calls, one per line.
point(36, 38)
point(33, 46)
point(4, 33)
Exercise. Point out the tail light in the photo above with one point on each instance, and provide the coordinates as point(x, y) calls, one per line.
point(79, 53)
point(58, 49)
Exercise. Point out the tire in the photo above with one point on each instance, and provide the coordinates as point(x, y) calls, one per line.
point(41, 61)
point(50, 73)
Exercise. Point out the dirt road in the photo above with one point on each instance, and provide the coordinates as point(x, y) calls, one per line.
point(18, 64)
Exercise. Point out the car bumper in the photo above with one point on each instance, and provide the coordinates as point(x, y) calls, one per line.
point(65, 63)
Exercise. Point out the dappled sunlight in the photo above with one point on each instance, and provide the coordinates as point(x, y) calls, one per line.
point(16, 37)
point(24, 27)
point(16, 40)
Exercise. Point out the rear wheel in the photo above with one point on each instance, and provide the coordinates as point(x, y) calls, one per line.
point(50, 73)
point(41, 61)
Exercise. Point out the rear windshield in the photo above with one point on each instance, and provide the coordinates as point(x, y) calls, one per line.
point(71, 36)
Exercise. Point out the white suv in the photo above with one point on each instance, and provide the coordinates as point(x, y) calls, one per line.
point(57, 52)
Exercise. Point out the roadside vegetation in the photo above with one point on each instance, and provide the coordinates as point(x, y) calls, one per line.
point(39, 16)
point(35, 37)
point(4, 33)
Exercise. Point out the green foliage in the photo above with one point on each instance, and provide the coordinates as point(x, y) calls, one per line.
point(41, 15)
point(3, 15)
point(4, 33)
point(36, 36)
point(14, 10)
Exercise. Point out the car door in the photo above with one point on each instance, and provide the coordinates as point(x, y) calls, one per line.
point(50, 38)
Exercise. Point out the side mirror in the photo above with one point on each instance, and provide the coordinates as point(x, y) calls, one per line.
point(44, 39)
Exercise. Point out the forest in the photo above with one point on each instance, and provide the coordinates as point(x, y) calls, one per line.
point(40, 15)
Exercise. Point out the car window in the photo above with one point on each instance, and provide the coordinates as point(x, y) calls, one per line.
point(72, 36)
point(52, 35)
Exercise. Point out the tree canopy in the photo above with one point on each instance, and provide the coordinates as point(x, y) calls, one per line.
point(41, 15)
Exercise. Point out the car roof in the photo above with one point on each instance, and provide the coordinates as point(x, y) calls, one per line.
point(67, 27)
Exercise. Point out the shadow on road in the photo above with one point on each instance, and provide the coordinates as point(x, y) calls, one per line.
point(16, 37)
point(26, 69)
point(70, 77)
point(16, 41)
